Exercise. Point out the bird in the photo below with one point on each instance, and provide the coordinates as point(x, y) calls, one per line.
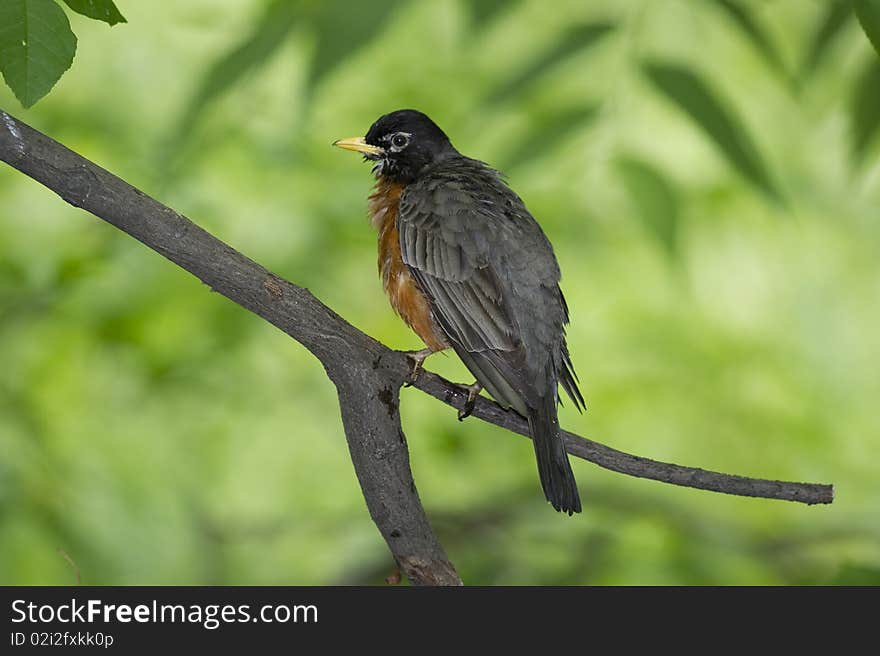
point(467, 267)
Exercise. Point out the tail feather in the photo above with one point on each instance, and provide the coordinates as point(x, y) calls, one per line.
point(568, 378)
point(495, 375)
point(557, 479)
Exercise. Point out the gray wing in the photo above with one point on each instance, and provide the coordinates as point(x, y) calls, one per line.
point(492, 281)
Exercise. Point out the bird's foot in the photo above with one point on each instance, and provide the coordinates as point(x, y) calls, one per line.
point(417, 358)
point(473, 391)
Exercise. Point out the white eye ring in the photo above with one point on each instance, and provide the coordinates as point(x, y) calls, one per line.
point(399, 141)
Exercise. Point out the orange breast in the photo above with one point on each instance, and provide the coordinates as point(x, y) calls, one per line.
point(403, 292)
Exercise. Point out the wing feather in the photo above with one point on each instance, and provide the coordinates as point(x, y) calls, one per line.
point(456, 248)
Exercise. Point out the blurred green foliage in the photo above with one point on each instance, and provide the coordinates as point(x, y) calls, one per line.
point(868, 12)
point(157, 434)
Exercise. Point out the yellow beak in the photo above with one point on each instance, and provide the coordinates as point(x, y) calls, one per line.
point(358, 145)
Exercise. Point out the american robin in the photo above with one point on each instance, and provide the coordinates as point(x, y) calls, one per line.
point(466, 265)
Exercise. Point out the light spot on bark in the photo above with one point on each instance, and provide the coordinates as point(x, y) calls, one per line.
point(273, 288)
point(14, 131)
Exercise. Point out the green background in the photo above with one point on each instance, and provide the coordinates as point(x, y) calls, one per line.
point(723, 281)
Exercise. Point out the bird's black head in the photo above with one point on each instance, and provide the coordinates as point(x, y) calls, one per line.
point(401, 143)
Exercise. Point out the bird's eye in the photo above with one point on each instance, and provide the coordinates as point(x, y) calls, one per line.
point(399, 141)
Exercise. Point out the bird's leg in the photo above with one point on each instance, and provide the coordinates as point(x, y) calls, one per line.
point(473, 392)
point(418, 358)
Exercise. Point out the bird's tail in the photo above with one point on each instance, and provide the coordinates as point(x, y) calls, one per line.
point(557, 479)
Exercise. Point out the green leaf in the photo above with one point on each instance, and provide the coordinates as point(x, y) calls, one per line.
point(836, 16)
point(337, 39)
point(577, 38)
point(264, 38)
point(36, 47)
point(754, 32)
point(694, 97)
point(102, 10)
point(484, 11)
point(865, 109)
point(868, 13)
point(654, 198)
point(547, 132)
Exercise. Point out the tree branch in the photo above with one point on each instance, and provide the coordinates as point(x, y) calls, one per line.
point(367, 384)
point(626, 463)
point(367, 375)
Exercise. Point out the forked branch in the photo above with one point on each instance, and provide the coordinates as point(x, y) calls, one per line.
point(367, 374)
